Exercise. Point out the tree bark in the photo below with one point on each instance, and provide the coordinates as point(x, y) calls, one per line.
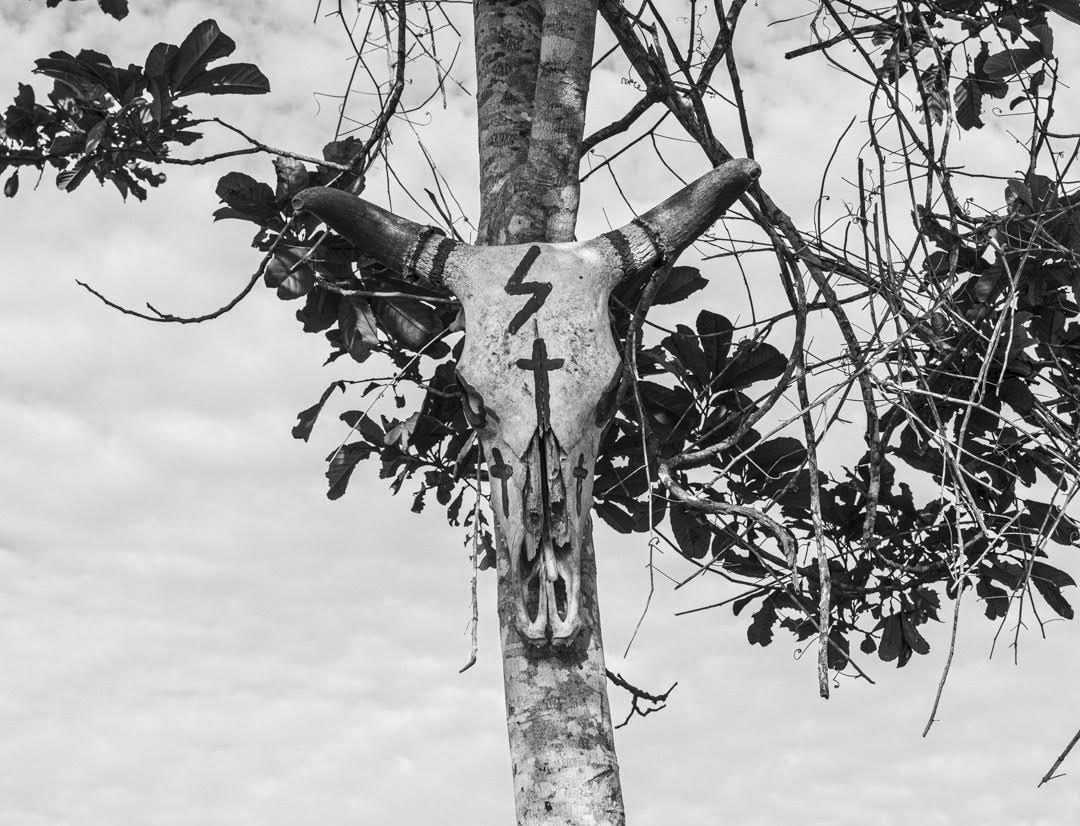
point(533, 61)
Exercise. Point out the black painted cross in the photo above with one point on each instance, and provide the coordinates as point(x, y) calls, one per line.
point(541, 365)
point(501, 471)
point(581, 473)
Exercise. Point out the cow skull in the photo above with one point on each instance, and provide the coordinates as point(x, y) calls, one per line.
point(539, 370)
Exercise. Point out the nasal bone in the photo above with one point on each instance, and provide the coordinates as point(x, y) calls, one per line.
point(551, 571)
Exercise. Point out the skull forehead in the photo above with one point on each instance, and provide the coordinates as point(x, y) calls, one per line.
point(537, 322)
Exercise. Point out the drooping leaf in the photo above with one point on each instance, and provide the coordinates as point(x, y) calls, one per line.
point(356, 321)
point(342, 464)
point(1049, 581)
point(305, 420)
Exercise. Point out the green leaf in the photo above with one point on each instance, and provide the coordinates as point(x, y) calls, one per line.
point(205, 44)
point(681, 283)
point(231, 79)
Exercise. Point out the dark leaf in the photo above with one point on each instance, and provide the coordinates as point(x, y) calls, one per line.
point(892, 638)
point(342, 464)
point(306, 418)
point(115, 8)
point(365, 425)
point(681, 283)
point(760, 631)
point(715, 332)
point(684, 346)
point(357, 324)
point(753, 364)
point(837, 652)
point(232, 79)
point(320, 311)
point(1049, 581)
point(411, 323)
point(995, 600)
point(1010, 62)
point(160, 60)
point(202, 46)
point(1069, 9)
point(615, 516)
point(250, 198)
point(691, 529)
point(290, 273)
point(1015, 393)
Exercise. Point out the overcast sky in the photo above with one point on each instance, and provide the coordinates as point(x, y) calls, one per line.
point(192, 634)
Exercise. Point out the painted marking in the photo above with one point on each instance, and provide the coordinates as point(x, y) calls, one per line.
point(537, 291)
point(581, 473)
point(541, 365)
point(501, 471)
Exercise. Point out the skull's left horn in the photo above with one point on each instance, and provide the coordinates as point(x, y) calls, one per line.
point(403, 246)
point(666, 229)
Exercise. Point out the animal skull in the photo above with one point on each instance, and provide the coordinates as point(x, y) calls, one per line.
point(539, 369)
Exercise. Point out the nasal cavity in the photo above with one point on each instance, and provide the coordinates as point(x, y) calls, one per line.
point(558, 588)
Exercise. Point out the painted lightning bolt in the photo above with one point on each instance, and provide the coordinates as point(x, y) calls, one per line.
point(537, 291)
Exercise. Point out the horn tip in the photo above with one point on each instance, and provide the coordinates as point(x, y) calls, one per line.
point(745, 167)
point(302, 200)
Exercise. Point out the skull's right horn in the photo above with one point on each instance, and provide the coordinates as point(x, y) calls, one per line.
point(666, 229)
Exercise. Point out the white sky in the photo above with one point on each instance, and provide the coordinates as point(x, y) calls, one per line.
point(191, 634)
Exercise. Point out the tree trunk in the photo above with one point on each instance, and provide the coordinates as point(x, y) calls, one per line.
point(533, 61)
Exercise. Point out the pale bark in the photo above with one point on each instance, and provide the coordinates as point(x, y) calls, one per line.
point(531, 111)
